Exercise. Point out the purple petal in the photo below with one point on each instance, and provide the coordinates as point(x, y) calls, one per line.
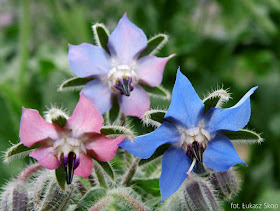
point(186, 108)
point(220, 154)
point(175, 164)
point(45, 156)
point(136, 104)
point(127, 41)
point(144, 146)
point(33, 128)
point(233, 118)
point(150, 69)
point(88, 60)
point(99, 94)
point(85, 118)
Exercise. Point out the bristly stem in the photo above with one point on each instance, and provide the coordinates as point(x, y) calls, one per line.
point(130, 173)
point(24, 36)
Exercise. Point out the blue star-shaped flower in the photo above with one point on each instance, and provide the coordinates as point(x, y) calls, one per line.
point(194, 136)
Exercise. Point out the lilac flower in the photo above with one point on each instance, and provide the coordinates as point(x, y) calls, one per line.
point(194, 136)
point(120, 73)
point(69, 146)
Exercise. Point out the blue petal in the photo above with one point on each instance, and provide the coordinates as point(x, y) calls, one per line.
point(88, 60)
point(127, 41)
point(233, 118)
point(186, 107)
point(145, 146)
point(99, 94)
point(220, 154)
point(175, 164)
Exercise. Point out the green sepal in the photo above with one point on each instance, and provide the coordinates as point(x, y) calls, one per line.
point(113, 114)
point(210, 103)
point(74, 83)
point(92, 196)
point(154, 45)
point(101, 35)
point(157, 91)
point(157, 153)
point(243, 136)
point(17, 151)
point(117, 130)
point(60, 121)
point(107, 167)
point(60, 178)
point(146, 186)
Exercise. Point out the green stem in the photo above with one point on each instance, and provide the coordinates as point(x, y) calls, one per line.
point(24, 35)
point(130, 173)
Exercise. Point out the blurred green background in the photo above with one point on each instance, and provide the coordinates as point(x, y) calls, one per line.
point(234, 43)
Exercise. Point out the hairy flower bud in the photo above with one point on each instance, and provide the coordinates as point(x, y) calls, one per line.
point(226, 183)
point(16, 195)
point(199, 195)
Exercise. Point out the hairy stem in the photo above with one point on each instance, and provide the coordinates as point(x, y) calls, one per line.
point(130, 173)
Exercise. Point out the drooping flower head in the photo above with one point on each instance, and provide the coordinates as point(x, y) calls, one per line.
point(194, 136)
point(70, 145)
point(120, 73)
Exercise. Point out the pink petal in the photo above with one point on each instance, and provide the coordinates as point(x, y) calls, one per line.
point(85, 167)
point(33, 128)
point(45, 157)
point(136, 104)
point(99, 94)
point(102, 147)
point(85, 118)
point(150, 69)
point(88, 60)
point(127, 41)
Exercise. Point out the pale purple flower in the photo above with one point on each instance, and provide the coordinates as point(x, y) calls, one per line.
point(120, 73)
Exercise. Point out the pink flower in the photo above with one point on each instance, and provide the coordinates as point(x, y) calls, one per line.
point(69, 146)
point(120, 73)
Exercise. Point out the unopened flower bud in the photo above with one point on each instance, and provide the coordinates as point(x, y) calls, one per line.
point(56, 116)
point(199, 195)
point(226, 183)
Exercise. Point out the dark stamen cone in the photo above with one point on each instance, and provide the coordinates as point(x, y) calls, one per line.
point(124, 85)
point(197, 153)
point(69, 162)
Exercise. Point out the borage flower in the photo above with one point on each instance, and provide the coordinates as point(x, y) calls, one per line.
point(69, 146)
point(194, 136)
point(120, 73)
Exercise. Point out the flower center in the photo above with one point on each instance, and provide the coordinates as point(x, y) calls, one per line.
point(122, 79)
point(68, 151)
point(194, 142)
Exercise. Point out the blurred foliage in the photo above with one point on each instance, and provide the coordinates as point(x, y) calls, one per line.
point(233, 43)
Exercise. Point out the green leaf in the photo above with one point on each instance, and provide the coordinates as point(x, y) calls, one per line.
point(157, 91)
point(73, 83)
point(60, 178)
point(92, 196)
point(100, 176)
point(155, 44)
point(107, 167)
point(243, 136)
point(147, 186)
point(17, 151)
point(101, 35)
point(157, 153)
